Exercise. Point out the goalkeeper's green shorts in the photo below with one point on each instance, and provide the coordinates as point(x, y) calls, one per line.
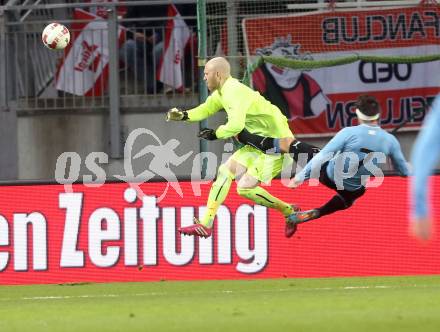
point(263, 167)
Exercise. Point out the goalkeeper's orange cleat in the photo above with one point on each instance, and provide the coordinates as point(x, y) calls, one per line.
point(197, 229)
point(300, 217)
point(290, 227)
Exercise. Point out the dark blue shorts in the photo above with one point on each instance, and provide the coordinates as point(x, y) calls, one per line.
point(347, 195)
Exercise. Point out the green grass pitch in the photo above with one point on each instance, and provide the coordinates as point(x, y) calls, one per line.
point(337, 304)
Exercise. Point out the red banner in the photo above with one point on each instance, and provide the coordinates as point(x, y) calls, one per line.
point(176, 37)
point(107, 234)
point(84, 68)
point(321, 101)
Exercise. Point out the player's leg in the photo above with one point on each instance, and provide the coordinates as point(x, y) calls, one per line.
point(220, 189)
point(343, 198)
point(263, 169)
point(278, 145)
point(341, 201)
point(217, 194)
point(262, 143)
point(248, 187)
point(296, 148)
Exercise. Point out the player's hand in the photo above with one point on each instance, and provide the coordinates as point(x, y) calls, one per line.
point(294, 183)
point(421, 228)
point(208, 134)
point(175, 114)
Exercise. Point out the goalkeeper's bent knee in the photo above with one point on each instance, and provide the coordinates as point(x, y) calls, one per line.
point(245, 192)
point(223, 171)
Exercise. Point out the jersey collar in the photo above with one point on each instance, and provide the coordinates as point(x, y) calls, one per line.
point(227, 82)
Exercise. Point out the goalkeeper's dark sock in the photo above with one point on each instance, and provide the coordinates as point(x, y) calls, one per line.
point(259, 142)
point(335, 204)
point(298, 147)
point(217, 195)
point(263, 197)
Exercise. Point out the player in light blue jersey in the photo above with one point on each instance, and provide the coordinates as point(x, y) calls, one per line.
point(424, 157)
point(345, 162)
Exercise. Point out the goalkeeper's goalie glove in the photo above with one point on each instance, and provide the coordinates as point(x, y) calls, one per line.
point(208, 134)
point(175, 114)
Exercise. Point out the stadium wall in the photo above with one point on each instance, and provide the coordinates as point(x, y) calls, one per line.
point(43, 137)
point(107, 234)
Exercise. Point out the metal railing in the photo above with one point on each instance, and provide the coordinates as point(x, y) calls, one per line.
point(42, 79)
point(32, 72)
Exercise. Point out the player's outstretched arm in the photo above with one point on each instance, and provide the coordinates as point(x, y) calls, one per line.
point(421, 228)
point(397, 158)
point(176, 114)
point(424, 157)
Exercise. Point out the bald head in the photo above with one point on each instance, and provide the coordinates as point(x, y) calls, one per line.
point(217, 71)
point(220, 65)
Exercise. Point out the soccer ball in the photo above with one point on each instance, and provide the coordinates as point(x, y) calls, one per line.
point(55, 36)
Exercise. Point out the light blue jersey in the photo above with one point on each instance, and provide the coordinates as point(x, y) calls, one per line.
point(350, 156)
point(425, 155)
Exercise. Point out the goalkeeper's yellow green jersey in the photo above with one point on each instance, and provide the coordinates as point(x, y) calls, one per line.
point(246, 108)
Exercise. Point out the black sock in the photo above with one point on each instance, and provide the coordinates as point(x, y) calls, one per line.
point(298, 147)
point(335, 204)
point(259, 142)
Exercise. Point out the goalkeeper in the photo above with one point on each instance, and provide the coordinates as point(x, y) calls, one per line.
point(246, 109)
